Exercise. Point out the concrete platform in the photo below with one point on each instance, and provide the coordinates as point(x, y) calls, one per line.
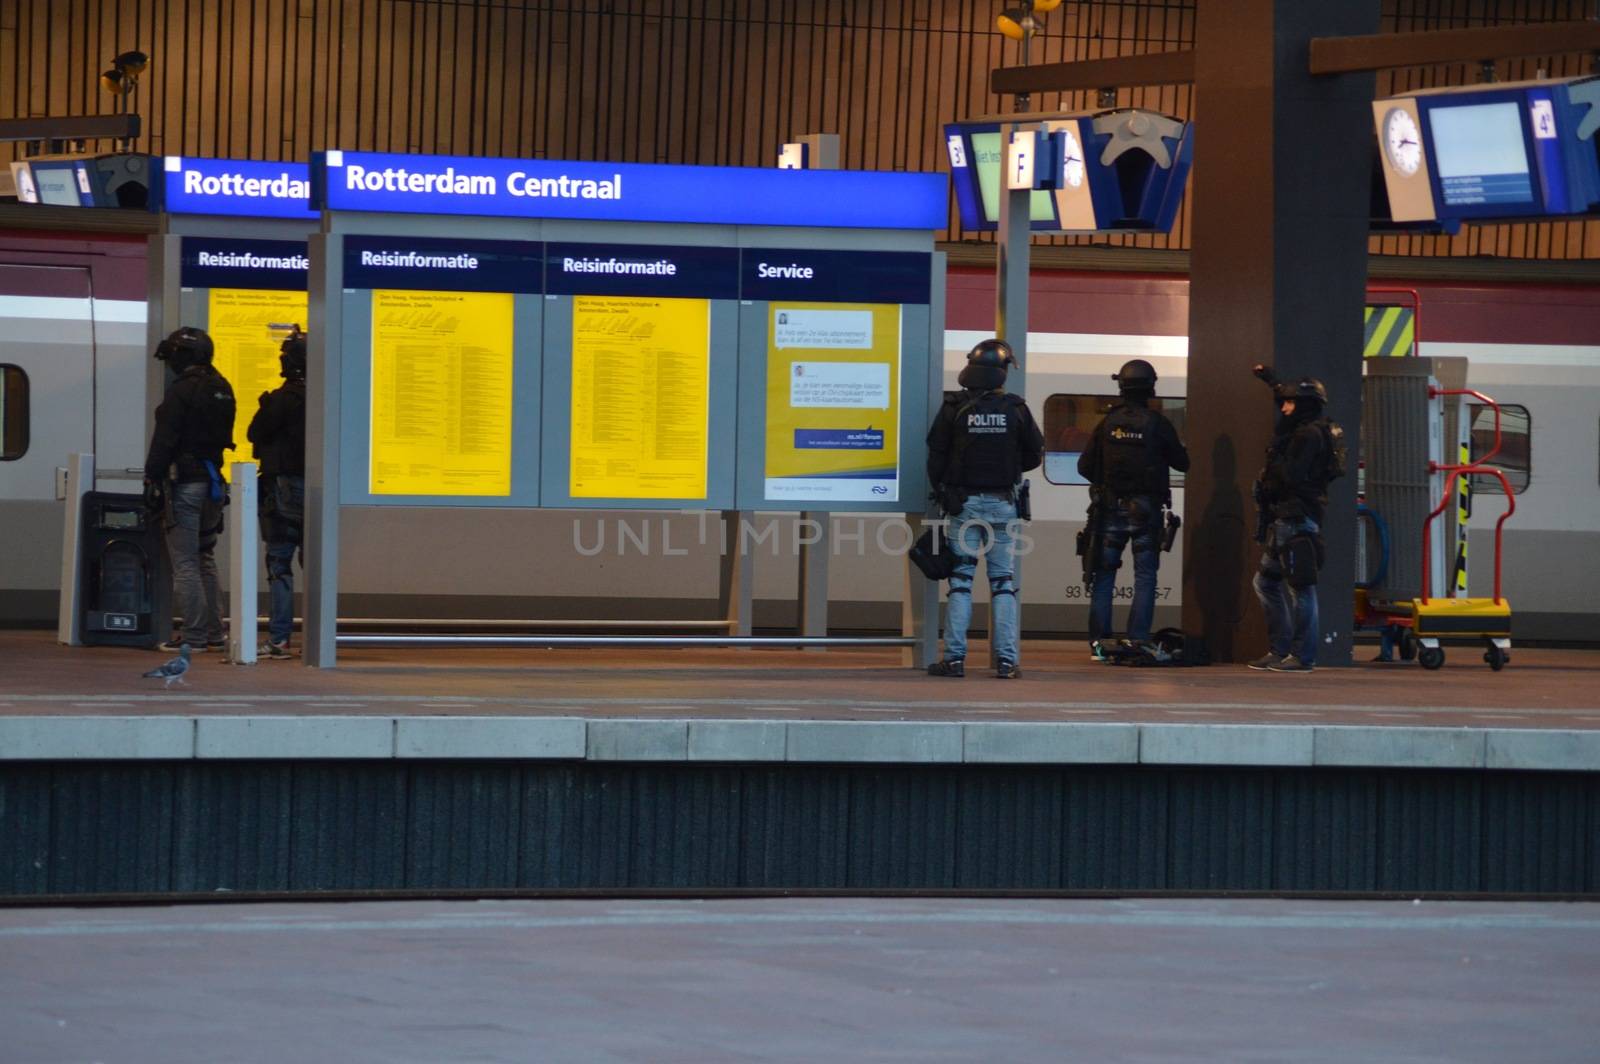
point(1541, 712)
point(803, 980)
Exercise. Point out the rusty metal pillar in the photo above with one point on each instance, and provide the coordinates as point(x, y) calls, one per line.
point(1282, 177)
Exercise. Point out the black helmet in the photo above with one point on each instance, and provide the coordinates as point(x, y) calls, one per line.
point(1136, 376)
point(186, 347)
point(292, 357)
point(986, 365)
point(1309, 388)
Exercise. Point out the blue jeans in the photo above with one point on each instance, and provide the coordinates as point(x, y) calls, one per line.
point(985, 528)
point(193, 522)
point(1291, 611)
point(283, 507)
point(1139, 520)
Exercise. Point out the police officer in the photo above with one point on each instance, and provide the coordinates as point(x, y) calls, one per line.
point(1292, 491)
point(1127, 465)
point(183, 481)
point(278, 433)
point(982, 441)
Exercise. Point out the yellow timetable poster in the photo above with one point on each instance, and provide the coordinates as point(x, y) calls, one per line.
point(247, 350)
point(641, 380)
point(833, 402)
point(441, 393)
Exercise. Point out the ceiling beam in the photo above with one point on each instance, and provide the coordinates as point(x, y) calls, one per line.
point(1151, 68)
point(71, 127)
point(1383, 51)
point(1329, 55)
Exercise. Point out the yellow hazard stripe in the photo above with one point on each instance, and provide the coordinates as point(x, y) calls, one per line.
point(1390, 332)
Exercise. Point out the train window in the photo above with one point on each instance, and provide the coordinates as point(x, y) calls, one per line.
point(13, 413)
point(1069, 422)
point(1515, 459)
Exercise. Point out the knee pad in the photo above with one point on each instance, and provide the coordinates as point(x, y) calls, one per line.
point(1300, 561)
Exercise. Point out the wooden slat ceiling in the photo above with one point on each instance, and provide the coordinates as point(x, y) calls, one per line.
point(681, 81)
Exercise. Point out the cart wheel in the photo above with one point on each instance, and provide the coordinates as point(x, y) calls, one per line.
point(1496, 657)
point(1430, 657)
point(1408, 645)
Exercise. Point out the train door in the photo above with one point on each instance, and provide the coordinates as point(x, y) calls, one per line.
point(47, 363)
point(47, 333)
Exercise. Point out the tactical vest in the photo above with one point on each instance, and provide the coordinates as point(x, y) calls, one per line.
point(984, 441)
point(1130, 456)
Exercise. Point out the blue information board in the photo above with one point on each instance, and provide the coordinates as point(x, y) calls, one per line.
point(627, 192)
point(237, 187)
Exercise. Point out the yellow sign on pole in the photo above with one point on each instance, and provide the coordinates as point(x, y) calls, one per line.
point(247, 350)
point(641, 379)
point(441, 393)
point(833, 402)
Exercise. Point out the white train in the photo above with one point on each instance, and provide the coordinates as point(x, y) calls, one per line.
point(72, 321)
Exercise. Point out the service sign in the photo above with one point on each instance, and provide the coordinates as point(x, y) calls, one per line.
point(627, 192)
point(237, 187)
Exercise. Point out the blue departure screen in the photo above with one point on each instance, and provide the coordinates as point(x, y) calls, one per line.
point(1481, 155)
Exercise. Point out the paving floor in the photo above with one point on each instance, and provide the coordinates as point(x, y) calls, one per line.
point(803, 980)
point(1539, 689)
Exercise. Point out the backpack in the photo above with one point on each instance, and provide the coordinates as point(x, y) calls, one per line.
point(1337, 461)
point(214, 409)
point(1169, 647)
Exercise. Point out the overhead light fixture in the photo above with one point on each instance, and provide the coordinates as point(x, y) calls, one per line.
point(123, 77)
point(1022, 21)
point(133, 63)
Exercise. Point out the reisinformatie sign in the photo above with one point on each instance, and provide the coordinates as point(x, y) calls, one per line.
point(833, 401)
point(441, 393)
point(640, 394)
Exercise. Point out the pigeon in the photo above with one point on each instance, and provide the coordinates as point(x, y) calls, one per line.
point(171, 670)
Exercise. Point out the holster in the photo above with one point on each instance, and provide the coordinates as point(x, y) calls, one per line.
point(1300, 559)
point(1169, 534)
point(1091, 541)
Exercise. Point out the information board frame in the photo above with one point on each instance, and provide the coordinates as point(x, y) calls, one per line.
point(356, 365)
point(723, 357)
point(919, 378)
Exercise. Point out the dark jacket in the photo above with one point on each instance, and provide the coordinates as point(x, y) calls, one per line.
point(194, 425)
point(278, 431)
point(1154, 456)
point(975, 458)
point(1294, 483)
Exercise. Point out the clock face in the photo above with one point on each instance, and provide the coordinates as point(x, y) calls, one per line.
point(1072, 167)
point(1402, 143)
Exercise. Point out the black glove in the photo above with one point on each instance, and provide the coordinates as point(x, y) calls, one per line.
point(155, 496)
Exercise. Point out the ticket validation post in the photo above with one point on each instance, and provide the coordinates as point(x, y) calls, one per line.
point(622, 335)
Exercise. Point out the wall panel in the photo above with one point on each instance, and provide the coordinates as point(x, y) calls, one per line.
point(719, 82)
